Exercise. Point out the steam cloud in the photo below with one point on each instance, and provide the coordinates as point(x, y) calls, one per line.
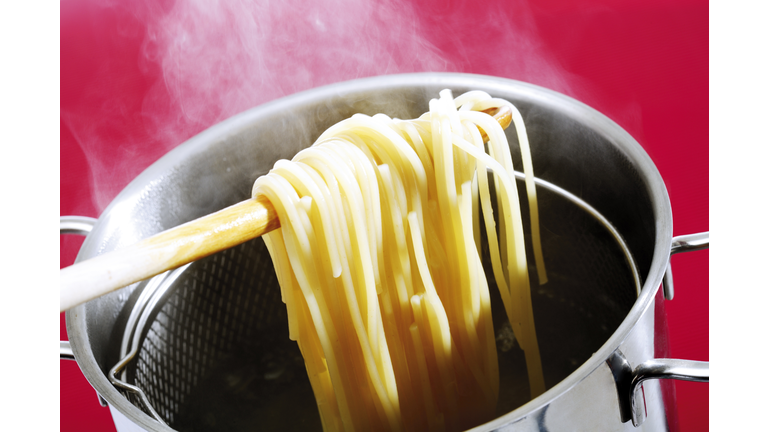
point(217, 58)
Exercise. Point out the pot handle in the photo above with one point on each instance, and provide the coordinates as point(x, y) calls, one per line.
point(683, 243)
point(66, 351)
point(686, 370)
point(80, 225)
point(629, 381)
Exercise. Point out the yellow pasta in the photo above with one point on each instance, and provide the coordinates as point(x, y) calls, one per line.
point(378, 260)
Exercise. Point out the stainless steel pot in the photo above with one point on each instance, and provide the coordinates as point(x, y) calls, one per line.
point(215, 337)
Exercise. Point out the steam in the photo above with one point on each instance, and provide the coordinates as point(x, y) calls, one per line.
point(219, 58)
point(216, 58)
point(498, 38)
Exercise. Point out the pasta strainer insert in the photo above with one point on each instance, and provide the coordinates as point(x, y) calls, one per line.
point(206, 346)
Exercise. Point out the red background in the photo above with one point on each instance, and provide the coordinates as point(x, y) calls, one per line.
point(139, 77)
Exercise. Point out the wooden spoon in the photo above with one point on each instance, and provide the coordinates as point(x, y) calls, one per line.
point(181, 245)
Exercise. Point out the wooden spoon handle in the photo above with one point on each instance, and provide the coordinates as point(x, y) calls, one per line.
point(177, 246)
point(167, 250)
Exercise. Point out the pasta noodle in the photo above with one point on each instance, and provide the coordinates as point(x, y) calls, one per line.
point(379, 263)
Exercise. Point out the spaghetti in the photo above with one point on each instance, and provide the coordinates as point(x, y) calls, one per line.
point(378, 260)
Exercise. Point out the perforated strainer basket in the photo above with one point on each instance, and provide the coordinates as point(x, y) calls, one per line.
point(206, 347)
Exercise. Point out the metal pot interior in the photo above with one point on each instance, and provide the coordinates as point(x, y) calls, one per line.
point(216, 353)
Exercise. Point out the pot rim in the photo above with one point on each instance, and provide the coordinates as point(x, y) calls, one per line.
point(661, 208)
